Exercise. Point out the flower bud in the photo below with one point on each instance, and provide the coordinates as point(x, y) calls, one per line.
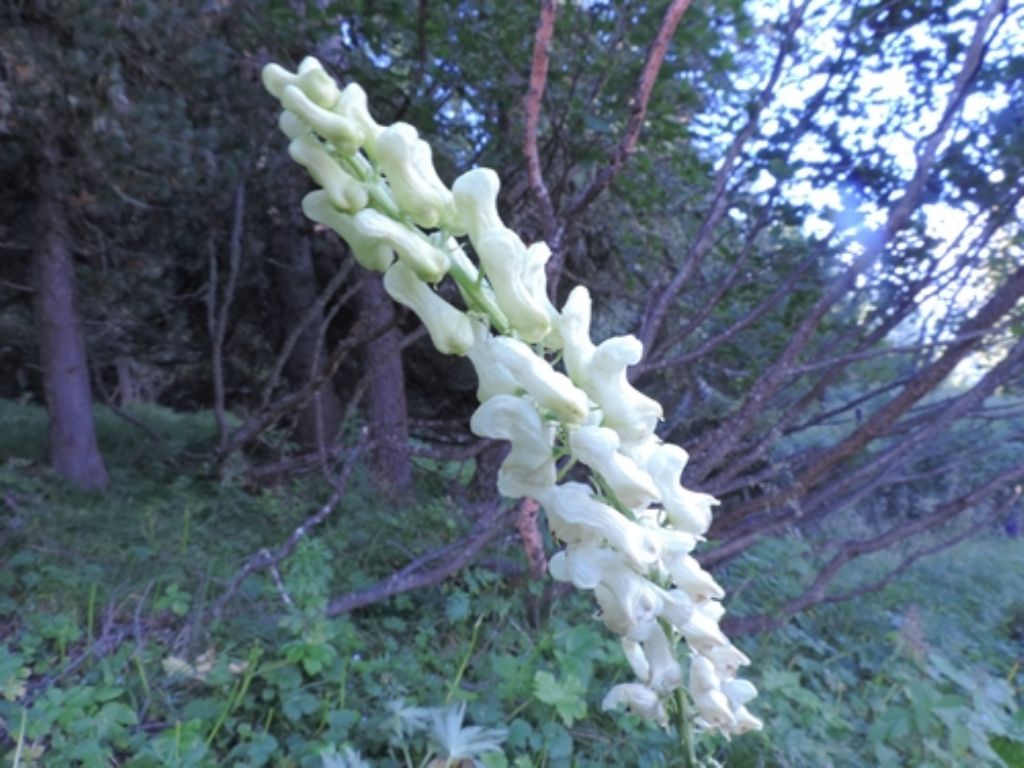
point(317, 84)
point(450, 330)
point(423, 257)
point(370, 252)
point(598, 448)
point(344, 192)
point(353, 104)
point(344, 134)
point(409, 166)
point(529, 469)
point(552, 390)
point(291, 126)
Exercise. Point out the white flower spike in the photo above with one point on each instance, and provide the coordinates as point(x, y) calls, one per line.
point(630, 540)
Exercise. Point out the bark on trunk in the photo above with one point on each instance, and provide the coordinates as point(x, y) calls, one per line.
point(388, 410)
point(320, 418)
point(74, 452)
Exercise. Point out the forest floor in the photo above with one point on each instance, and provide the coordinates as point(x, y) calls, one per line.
point(112, 652)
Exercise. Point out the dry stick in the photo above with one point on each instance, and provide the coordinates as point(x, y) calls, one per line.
point(430, 568)
point(718, 444)
point(217, 322)
point(267, 559)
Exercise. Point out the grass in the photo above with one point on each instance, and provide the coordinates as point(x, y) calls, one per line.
point(109, 657)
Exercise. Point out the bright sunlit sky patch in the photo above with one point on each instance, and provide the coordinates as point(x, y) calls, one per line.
point(887, 126)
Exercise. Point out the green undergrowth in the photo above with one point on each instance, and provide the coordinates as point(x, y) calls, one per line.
point(110, 653)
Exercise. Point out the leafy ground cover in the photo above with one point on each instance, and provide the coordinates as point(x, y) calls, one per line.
point(110, 654)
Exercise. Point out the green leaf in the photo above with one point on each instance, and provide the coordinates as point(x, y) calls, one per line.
point(564, 695)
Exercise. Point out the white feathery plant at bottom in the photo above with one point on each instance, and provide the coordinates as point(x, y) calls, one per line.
point(628, 536)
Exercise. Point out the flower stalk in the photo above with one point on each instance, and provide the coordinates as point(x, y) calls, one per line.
point(545, 387)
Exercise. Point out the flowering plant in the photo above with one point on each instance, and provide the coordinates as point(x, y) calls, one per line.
point(628, 536)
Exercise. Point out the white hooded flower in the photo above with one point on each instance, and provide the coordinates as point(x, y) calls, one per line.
point(372, 253)
point(493, 378)
point(503, 257)
point(744, 722)
point(687, 574)
point(686, 510)
point(626, 410)
point(727, 660)
point(598, 448)
point(701, 630)
point(552, 390)
point(476, 201)
point(429, 262)
point(714, 710)
point(450, 330)
point(344, 192)
point(666, 672)
point(408, 163)
point(634, 653)
point(574, 328)
point(630, 604)
point(640, 700)
point(529, 469)
point(575, 515)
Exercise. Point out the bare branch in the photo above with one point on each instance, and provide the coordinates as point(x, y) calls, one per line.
point(638, 109)
point(217, 320)
point(266, 558)
point(430, 568)
point(851, 550)
point(532, 106)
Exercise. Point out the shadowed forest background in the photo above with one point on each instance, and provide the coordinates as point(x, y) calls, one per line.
point(243, 518)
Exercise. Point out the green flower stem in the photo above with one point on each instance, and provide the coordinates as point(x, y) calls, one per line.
point(473, 289)
point(478, 298)
point(684, 725)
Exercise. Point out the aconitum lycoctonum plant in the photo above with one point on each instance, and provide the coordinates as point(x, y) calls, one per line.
point(627, 535)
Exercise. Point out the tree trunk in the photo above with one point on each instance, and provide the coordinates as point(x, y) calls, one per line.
point(388, 410)
point(74, 452)
point(320, 418)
